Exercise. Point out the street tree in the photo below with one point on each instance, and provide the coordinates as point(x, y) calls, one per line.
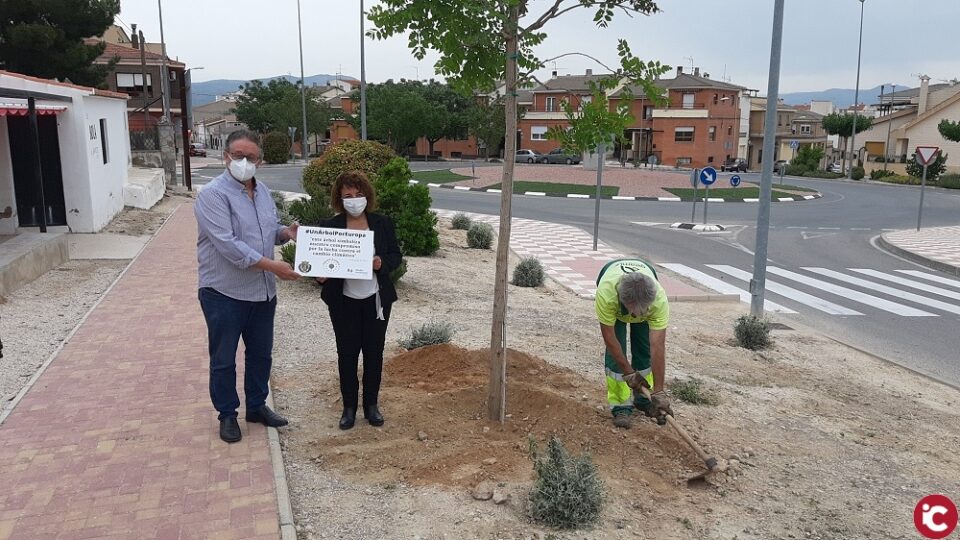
point(397, 114)
point(480, 43)
point(487, 123)
point(842, 124)
point(448, 116)
point(277, 106)
point(46, 39)
point(949, 130)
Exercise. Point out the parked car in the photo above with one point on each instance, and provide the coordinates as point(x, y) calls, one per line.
point(528, 156)
point(835, 168)
point(734, 165)
point(197, 150)
point(779, 166)
point(559, 156)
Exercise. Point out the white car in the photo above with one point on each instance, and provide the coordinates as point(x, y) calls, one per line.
point(835, 168)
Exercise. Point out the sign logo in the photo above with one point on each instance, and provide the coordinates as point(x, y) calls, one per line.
point(935, 516)
point(331, 264)
point(305, 267)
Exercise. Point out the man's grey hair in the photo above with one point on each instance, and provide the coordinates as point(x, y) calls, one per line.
point(637, 292)
point(244, 134)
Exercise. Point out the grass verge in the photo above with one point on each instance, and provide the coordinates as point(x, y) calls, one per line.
point(552, 187)
point(439, 177)
point(726, 193)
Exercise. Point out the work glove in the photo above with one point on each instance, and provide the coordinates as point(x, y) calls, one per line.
point(635, 381)
point(658, 402)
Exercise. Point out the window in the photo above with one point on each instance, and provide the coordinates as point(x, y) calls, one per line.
point(551, 104)
point(538, 133)
point(805, 129)
point(683, 134)
point(103, 140)
point(133, 82)
point(712, 133)
point(716, 99)
point(729, 130)
point(688, 101)
point(684, 161)
point(647, 112)
point(779, 119)
point(709, 159)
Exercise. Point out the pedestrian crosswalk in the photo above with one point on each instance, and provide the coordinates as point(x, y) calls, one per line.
point(844, 292)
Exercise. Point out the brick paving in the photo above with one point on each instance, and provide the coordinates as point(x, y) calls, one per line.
point(118, 439)
point(938, 244)
point(567, 255)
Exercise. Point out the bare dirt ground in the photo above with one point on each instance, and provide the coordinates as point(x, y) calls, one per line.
point(826, 442)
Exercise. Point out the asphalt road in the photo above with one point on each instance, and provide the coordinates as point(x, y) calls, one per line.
point(821, 250)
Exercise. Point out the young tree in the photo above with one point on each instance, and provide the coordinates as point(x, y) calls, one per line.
point(479, 43)
point(842, 124)
point(45, 39)
point(934, 170)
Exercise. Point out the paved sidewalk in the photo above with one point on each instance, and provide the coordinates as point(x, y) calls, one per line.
point(937, 247)
point(567, 255)
point(117, 438)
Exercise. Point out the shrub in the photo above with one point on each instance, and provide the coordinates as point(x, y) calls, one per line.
point(399, 271)
point(283, 213)
point(822, 174)
point(480, 236)
point(461, 222)
point(692, 391)
point(877, 174)
point(795, 170)
point(429, 333)
point(857, 173)
point(365, 156)
point(938, 167)
point(288, 252)
point(951, 181)
point(752, 332)
point(568, 491)
point(901, 179)
point(310, 212)
point(409, 207)
point(528, 273)
point(276, 147)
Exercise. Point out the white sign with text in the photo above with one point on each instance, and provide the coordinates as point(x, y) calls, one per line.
point(334, 253)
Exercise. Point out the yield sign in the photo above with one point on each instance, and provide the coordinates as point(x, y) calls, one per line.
point(926, 154)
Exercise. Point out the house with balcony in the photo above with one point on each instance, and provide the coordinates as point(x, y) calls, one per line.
point(795, 128)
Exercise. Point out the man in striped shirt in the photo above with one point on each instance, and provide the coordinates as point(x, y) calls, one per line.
point(238, 229)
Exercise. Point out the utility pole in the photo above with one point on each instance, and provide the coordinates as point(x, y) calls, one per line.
point(164, 74)
point(303, 92)
point(856, 100)
point(759, 282)
point(143, 73)
point(363, 79)
point(886, 145)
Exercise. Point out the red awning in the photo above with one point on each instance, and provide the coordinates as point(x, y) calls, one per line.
point(8, 109)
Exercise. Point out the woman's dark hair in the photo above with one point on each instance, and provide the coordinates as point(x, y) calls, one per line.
point(354, 179)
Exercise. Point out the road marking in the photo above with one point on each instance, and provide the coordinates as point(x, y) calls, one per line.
point(851, 294)
point(494, 191)
point(810, 235)
point(751, 200)
point(828, 228)
point(931, 277)
point(861, 229)
point(461, 188)
point(535, 193)
point(908, 282)
point(647, 223)
point(785, 199)
point(669, 199)
point(797, 227)
point(577, 196)
point(789, 292)
point(722, 286)
point(897, 293)
point(623, 198)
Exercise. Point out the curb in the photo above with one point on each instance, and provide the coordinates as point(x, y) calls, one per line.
point(698, 227)
point(288, 530)
point(886, 245)
point(795, 198)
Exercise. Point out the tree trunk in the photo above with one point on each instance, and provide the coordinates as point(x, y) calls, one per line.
point(497, 397)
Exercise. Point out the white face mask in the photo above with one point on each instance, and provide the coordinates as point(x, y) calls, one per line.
point(242, 169)
point(355, 206)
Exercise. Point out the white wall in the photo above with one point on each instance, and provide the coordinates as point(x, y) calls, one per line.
point(7, 191)
point(105, 180)
point(927, 134)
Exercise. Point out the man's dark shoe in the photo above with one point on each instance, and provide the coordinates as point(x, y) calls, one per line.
point(264, 415)
point(373, 415)
point(230, 430)
point(349, 418)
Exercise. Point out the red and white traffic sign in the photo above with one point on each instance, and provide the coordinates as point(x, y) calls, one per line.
point(926, 154)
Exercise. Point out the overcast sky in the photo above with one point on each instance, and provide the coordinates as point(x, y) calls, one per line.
point(247, 39)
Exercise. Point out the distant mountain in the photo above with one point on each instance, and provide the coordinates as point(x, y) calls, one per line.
point(841, 97)
point(206, 92)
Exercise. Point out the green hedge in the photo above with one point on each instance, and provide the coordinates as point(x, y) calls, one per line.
point(364, 156)
point(276, 147)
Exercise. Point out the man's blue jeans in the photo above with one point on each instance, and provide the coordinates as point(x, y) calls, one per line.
point(228, 320)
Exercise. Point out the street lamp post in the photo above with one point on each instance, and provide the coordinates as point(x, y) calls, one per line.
point(856, 96)
point(886, 145)
point(164, 74)
point(303, 92)
point(363, 79)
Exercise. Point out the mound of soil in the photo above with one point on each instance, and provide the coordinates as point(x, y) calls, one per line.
point(434, 399)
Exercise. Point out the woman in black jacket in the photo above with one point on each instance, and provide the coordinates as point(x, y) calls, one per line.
point(360, 309)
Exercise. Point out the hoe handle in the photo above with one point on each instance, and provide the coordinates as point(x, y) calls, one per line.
point(709, 460)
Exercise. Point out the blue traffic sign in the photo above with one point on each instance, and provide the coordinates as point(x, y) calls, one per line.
point(708, 176)
point(735, 180)
point(794, 144)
